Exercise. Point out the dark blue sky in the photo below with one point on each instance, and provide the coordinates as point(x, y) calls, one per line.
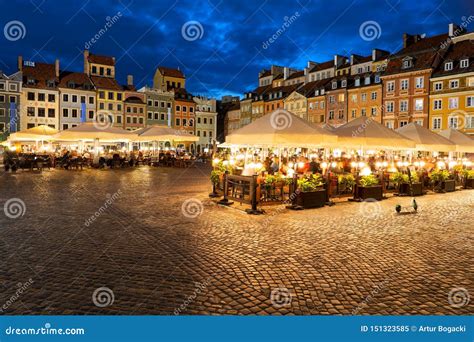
point(228, 56)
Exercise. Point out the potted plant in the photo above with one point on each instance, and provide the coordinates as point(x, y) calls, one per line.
point(346, 182)
point(311, 192)
point(442, 181)
point(468, 177)
point(369, 187)
point(402, 182)
point(216, 176)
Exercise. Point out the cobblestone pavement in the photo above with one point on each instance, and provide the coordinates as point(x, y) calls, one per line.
point(127, 231)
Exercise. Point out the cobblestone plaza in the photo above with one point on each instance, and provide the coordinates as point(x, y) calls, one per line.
point(155, 241)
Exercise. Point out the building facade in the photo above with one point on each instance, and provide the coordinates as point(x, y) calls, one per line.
point(167, 79)
point(184, 113)
point(10, 94)
point(206, 123)
point(134, 107)
point(365, 97)
point(159, 106)
point(336, 101)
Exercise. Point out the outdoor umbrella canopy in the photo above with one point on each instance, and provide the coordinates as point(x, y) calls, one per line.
point(281, 128)
point(425, 139)
point(37, 133)
point(163, 133)
point(463, 142)
point(367, 133)
point(93, 131)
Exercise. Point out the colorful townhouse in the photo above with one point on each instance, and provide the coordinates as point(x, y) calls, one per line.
point(206, 123)
point(77, 99)
point(274, 98)
point(258, 102)
point(40, 95)
point(109, 98)
point(266, 77)
point(10, 94)
point(232, 119)
point(297, 102)
point(452, 89)
point(159, 106)
point(134, 107)
point(185, 112)
point(316, 94)
point(336, 100)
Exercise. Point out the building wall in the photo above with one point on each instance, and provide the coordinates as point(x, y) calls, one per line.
point(134, 113)
point(258, 109)
point(185, 116)
point(365, 101)
point(336, 111)
point(110, 102)
point(158, 103)
point(297, 104)
point(448, 115)
point(31, 109)
point(206, 123)
point(317, 109)
point(401, 115)
point(245, 112)
point(161, 82)
point(68, 107)
point(10, 92)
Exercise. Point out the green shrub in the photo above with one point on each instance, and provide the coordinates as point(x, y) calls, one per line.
point(215, 176)
point(346, 181)
point(369, 180)
point(437, 176)
point(310, 183)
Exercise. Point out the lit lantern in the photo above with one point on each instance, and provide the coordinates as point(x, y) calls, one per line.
point(378, 165)
point(422, 163)
point(333, 165)
point(405, 163)
point(324, 165)
point(215, 161)
point(291, 165)
point(365, 171)
point(300, 165)
point(384, 164)
point(452, 164)
point(353, 165)
point(441, 164)
point(361, 165)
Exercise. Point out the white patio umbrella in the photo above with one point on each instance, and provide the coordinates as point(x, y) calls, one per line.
point(425, 139)
point(463, 142)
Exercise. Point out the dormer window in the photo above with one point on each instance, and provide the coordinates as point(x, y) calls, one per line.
point(407, 62)
point(70, 84)
point(343, 83)
point(334, 85)
point(464, 63)
point(357, 82)
point(30, 81)
point(50, 83)
point(377, 78)
point(448, 66)
point(316, 93)
point(322, 91)
point(367, 80)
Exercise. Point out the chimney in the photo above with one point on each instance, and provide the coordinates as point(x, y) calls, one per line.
point(374, 54)
point(86, 62)
point(129, 80)
point(455, 30)
point(352, 59)
point(286, 73)
point(56, 67)
point(338, 60)
point(20, 63)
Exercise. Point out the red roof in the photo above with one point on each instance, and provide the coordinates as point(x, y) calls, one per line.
point(171, 72)
point(296, 74)
point(322, 66)
point(75, 80)
point(40, 73)
point(106, 83)
point(106, 60)
point(457, 52)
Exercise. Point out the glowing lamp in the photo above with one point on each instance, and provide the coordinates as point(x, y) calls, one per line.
point(324, 165)
point(300, 165)
point(353, 164)
point(441, 164)
point(365, 171)
point(378, 164)
point(361, 165)
point(333, 165)
point(384, 164)
point(291, 165)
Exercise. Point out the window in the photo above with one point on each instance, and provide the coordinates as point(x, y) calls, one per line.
point(111, 106)
point(453, 84)
point(110, 95)
point(94, 69)
point(91, 114)
point(162, 116)
point(205, 121)
point(469, 101)
point(41, 112)
point(65, 126)
point(403, 123)
point(109, 72)
point(2, 85)
point(156, 116)
point(390, 107)
point(407, 63)
point(30, 111)
point(404, 84)
point(150, 115)
point(178, 108)
point(191, 123)
point(377, 77)
point(404, 106)
point(101, 95)
point(464, 63)
point(343, 83)
point(437, 104)
point(119, 119)
point(373, 95)
point(119, 107)
point(101, 105)
point(363, 97)
point(65, 97)
point(419, 82)
point(331, 115)
point(438, 86)
point(2, 98)
point(418, 104)
point(453, 122)
point(119, 97)
point(436, 123)
point(51, 98)
point(178, 123)
point(334, 85)
point(470, 81)
point(353, 113)
point(367, 80)
point(373, 111)
point(2, 111)
point(74, 98)
point(363, 112)
point(470, 122)
point(65, 113)
point(453, 103)
point(354, 98)
point(83, 99)
point(41, 97)
point(101, 70)
point(448, 66)
point(52, 113)
point(198, 133)
point(185, 109)
point(191, 109)
point(390, 86)
point(332, 99)
point(162, 105)
point(74, 113)
point(91, 100)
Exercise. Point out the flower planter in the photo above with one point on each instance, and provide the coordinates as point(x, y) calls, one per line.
point(449, 185)
point(469, 183)
point(314, 199)
point(416, 187)
point(366, 192)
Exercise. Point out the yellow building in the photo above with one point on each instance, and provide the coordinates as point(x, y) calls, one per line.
point(101, 70)
point(168, 79)
point(452, 90)
point(297, 103)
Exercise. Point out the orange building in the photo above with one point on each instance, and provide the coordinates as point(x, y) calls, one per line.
point(365, 98)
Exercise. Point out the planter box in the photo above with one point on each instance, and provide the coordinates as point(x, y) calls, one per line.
point(366, 192)
point(449, 185)
point(315, 199)
point(417, 189)
point(469, 184)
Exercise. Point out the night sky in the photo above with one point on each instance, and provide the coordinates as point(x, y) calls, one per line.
point(227, 42)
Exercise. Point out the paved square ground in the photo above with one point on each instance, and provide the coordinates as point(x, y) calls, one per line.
point(149, 241)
